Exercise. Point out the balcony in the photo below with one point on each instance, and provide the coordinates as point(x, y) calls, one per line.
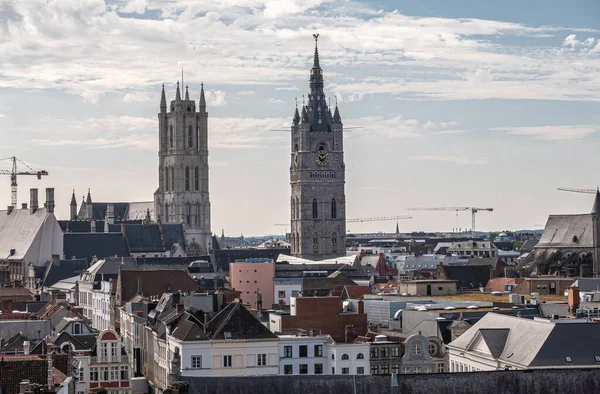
point(110, 360)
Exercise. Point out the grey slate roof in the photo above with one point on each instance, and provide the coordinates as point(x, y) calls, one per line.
point(560, 231)
point(554, 308)
point(88, 245)
point(63, 269)
point(495, 339)
point(18, 231)
point(239, 323)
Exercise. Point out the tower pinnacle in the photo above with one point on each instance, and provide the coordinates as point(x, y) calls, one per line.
point(178, 93)
point(202, 98)
point(316, 59)
point(187, 93)
point(163, 100)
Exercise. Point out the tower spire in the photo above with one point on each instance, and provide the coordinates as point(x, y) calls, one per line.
point(316, 59)
point(187, 93)
point(163, 100)
point(202, 98)
point(73, 199)
point(296, 113)
point(336, 115)
point(596, 206)
point(178, 93)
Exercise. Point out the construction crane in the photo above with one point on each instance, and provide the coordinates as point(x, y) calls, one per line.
point(457, 209)
point(361, 220)
point(569, 189)
point(13, 172)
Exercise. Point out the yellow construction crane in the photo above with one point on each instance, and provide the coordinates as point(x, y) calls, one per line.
point(457, 209)
point(13, 172)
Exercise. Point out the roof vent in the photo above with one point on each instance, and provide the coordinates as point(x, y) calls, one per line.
point(9, 209)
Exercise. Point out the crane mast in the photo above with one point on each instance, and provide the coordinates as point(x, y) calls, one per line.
point(473, 210)
point(13, 172)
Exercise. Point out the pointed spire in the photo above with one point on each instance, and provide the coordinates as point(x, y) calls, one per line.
point(397, 229)
point(202, 98)
point(296, 114)
point(73, 199)
point(316, 59)
point(596, 207)
point(89, 197)
point(304, 115)
point(163, 99)
point(187, 93)
point(178, 93)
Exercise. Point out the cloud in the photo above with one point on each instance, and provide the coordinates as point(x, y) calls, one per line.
point(135, 6)
point(551, 133)
point(276, 100)
point(397, 127)
point(458, 160)
point(215, 98)
point(137, 97)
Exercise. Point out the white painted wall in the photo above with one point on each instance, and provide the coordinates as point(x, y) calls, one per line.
point(335, 354)
point(295, 361)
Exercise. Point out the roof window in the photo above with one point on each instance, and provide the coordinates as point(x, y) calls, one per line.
point(597, 358)
point(568, 359)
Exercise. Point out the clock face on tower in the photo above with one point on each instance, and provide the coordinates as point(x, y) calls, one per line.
point(322, 157)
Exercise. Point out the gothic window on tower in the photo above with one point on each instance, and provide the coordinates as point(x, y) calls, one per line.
point(166, 212)
point(297, 208)
point(167, 172)
point(187, 178)
point(171, 136)
point(334, 243)
point(198, 217)
point(172, 179)
point(316, 242)
point(293, 205)
point(196, 179)
point(188, 214)
point(315, 209)
point(333, 209)
point(190, 137)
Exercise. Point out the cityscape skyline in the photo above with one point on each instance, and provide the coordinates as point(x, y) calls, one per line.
point(471, 111)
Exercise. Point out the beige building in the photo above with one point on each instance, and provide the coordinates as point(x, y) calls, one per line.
point(427, 287)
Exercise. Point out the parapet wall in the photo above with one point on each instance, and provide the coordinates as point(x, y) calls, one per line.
point(499, 382)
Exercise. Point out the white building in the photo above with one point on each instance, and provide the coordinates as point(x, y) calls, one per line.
point(285, 288)
point(302, 355)
point(348, 358)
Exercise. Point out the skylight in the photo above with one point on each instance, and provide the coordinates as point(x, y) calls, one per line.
point(597, 358)
point(568, 359)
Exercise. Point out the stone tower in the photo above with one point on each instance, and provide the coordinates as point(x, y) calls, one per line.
point(317, 175)
point(596, 234)
point(182, 195)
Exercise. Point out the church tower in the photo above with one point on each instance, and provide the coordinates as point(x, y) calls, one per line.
point(182, 195)
point(596, 235)
point(317, 175)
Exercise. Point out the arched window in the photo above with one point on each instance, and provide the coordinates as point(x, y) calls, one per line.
point(315, 209)
point(432, 348)
point(297, 208)
point(187, 178)
point(188, 214)
point(345, 357)
point(166, 212)
point(196, 179)
point(334, 243)
point(360, 356)
point(167, 184)
point(333, 356)
point(198, 215)
point(293, 208)
point(171, 136)
point(172, 179)
point(333, 209)
point(189, 109)
point(316, 242)
point(190, 137)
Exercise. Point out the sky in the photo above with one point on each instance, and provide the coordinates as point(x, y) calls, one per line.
point(447, 103)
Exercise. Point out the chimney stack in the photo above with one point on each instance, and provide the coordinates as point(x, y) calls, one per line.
point(110, 213)
point(26, 346)
point(50, 199)
point(93, 226)
point(24, 205)
point(33, 200)
point(573, 299)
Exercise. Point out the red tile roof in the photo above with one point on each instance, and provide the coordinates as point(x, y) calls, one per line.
point(357, 292)
point(498, 284)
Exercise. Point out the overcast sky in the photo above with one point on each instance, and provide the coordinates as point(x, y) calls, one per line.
point(462, 103)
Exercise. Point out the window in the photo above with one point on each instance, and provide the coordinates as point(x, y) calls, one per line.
point(187, 178)
point(428, 370)
point(432, 349)
point(124, 373)
point(281, 293)
point(93, 374)
point(171, 136)
point(345, 371)
point(261, 360)
point(333, 370)
point(76, 328)
point(568, 360)
point(297, 208)
point(360, 356)
point(81, 375)
point(396, 368)
point(166, 212)
point(104, 374)
point(333, 209)
point(360, 370)
point(385, 352)
point(374, 370)
point(198, 216)
point(188, 214)
point(440, 368)
point(318, 350)
point(417, 369)
point(287, 351)
point(227, 362)
point(172, 179)
point(303, 350)
point(303, 369)
point(334, 247)
point(167, 183)
point(345, 357)
point(316, 242)
point(374, 352)
point(405, 369)
point(597, 358)
point(416, 349)
point(318, 369)
point(385, 369)
point(196, 179)
point(196, 362)
point(113, 350)
point(190, 137)
point(396, 351)
point(288, 369)
point(315, 209)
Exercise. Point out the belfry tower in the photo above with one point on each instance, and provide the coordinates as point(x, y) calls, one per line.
point(182, 195)
point(317, 175)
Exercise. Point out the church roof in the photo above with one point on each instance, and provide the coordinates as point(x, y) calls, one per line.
point(567, 231)
point(18, 230)
point(101, 245)
point(596, 207)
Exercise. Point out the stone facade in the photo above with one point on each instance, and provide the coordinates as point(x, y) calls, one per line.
point(317, 176)
point(182, 195)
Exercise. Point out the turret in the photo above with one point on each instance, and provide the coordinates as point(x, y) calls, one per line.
point(163, 100)
point(202, 104)
point(88, 206)
point(178, 93)
point(187, 94)
point(73, 206)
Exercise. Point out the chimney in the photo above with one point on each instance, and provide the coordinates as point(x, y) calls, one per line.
point(33, 200)
point(50, 199)
point(361, 307)
point(179, 307)
point(139, 285)
point(31, 271)
point(26, 346)
point(7, 306)
point(93, 226)
point(110, 213)
point(56, 259)
point(574, 298)
point(24, 205)
point(205, 321)
point(9, 209)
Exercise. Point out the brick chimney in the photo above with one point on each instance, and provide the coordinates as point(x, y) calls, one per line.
point(574, 298)
point(33, 200)
point(50, 199)
point(7, 306)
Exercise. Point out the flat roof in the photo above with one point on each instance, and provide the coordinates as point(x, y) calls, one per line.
point(429, 281)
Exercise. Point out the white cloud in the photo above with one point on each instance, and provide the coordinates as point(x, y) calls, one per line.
point(458, 160)
point(276, 100)
point(397, 127)
point(135, 6)
point(215, 98)
point(551, 133)
point(137, 97)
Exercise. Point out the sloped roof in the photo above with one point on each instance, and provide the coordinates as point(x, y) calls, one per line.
point(489, 261)
point(239, 323)
point(17, 293)
point(18, 231)
point(138, 210)
point(101, 245)
point(356, 292)
point(318, 286)
point(499, 284)
point(550, 309)
point(154, 283)
point(63, 269)
point(495, 339)
point(468, 276)
point(188, 328)
point(560, 231)
point(144, 238)
point(15, 343)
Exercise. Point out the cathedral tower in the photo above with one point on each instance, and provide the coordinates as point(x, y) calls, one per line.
point(182, 195)
point(317, 175)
